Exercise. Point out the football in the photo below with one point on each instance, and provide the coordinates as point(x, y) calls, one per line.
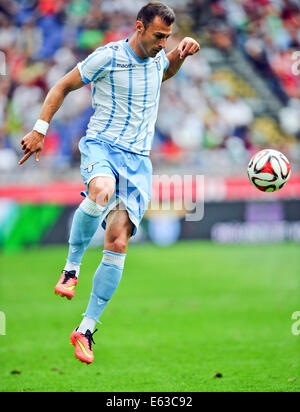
point(269, 170)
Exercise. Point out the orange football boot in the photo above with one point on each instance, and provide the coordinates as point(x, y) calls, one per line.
point(66, 284)
point(83, 345)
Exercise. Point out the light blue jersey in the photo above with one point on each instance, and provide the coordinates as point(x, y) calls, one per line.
point(125, 93)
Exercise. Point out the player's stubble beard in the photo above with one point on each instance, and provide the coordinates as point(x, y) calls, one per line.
point(144, 50)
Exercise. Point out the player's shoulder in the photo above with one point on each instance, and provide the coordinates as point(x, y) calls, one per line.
point(112, 47)
point(108, 50)
point(115, 50)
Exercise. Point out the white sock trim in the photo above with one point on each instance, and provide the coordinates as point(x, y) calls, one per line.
point(112, 258)
point(87, 323)
point(72, 266)
point(90, 207)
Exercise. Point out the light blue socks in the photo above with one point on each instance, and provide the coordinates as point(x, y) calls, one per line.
point(85, 223)
point(108, 275)
point(105, 283)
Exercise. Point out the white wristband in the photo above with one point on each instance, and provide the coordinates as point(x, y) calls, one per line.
point(41, 126)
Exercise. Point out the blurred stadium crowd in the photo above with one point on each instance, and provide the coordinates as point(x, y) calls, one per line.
point(237, 95)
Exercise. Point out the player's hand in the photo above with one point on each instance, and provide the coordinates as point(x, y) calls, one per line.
point(188, 47)
point(32, 143)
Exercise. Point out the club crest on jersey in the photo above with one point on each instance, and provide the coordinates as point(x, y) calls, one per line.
point(90, 167)
point(157, 61)
point(114, 47)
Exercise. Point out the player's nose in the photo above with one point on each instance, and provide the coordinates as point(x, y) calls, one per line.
point(162, 43)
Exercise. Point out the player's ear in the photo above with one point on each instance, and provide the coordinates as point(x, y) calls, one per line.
point(140, 28)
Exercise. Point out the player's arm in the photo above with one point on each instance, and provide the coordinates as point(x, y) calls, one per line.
point(33, 142)
point(187, 47)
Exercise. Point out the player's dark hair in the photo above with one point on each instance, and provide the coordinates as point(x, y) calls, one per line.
point(153, 9)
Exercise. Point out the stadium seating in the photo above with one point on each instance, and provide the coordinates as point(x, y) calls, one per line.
point(237, 95)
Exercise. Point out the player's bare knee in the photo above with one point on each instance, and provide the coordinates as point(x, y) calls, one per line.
point(117, 244)
point(101, 190)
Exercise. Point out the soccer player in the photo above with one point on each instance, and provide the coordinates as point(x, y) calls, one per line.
point(126, 77)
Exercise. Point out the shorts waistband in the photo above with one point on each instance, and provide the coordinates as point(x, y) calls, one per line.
point(119, 145)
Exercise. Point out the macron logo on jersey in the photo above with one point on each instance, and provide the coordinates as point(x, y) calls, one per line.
point(126, 66)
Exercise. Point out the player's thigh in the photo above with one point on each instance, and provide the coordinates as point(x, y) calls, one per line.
point(101, 188)
point(118, 231)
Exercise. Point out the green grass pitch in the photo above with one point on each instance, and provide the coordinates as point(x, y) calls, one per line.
point(180, 315)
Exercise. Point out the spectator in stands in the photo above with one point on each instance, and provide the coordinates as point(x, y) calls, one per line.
point(43, 39)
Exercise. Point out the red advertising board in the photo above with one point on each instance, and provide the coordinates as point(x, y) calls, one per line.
point(163, 189)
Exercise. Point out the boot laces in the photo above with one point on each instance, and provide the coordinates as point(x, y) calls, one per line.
point(89, 335)
point(69, 275)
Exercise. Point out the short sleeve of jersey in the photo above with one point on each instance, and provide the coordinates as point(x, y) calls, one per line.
point(95, 64)
point(166, 60)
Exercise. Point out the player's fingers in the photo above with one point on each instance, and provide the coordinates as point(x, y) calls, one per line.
point(180, 52)
point(37, 155)
point(181, 48)
point(194, 49)
point(24, 141)
point(183, 53)
point(186, 51)
point(24, 158)
point(190, 49)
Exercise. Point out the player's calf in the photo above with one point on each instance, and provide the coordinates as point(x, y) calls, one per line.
point(118, 231)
